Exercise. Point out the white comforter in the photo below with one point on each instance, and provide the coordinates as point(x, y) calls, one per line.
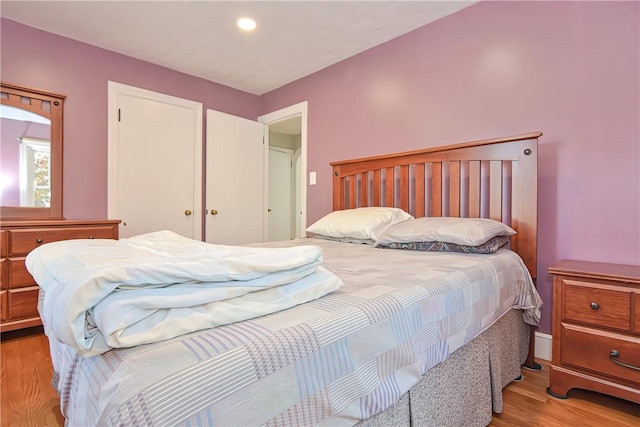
point(104, 294)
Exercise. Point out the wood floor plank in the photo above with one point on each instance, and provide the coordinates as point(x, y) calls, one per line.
point(27, 398)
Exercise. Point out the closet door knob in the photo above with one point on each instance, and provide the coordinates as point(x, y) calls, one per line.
point(214, 212)
point(187, 212)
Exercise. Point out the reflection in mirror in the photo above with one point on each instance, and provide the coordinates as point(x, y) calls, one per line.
point(25, 158)
point(30, 153)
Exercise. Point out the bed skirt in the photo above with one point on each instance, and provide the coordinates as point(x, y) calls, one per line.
point(450, 394)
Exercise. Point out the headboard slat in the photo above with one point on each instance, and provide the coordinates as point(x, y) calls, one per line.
point(376, 187)
point(454, 189)
point(419, 191)
point(495, 190)
point(404, 187)
point(436, 189)
point(389, 186)
point(364, 180)
point(474, 189)
point(352, 192)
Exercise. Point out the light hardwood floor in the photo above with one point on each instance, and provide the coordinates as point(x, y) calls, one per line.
point(27, 398)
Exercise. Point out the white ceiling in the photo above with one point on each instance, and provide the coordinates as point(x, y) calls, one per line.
point(293, 38)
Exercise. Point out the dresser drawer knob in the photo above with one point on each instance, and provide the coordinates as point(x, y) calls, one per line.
point(39, 241)
point(614, 358)
point(595, 305)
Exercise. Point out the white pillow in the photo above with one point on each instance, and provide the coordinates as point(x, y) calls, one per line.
point(461, 231)
point(359, 223)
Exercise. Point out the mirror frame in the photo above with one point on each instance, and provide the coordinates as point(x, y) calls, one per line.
point(36, 101)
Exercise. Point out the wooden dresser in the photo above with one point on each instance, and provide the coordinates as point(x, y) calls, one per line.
point(19, 292)
point(596, 329)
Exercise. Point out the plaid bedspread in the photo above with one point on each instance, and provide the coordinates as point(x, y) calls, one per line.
point(332, 361)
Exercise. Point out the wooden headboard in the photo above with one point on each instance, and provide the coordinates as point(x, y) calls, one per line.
point(492, 178)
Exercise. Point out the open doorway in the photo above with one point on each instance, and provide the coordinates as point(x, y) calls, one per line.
point(286, 172)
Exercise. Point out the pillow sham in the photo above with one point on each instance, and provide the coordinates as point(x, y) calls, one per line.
point(488, 247)
point(460, 231)
point(358, 223)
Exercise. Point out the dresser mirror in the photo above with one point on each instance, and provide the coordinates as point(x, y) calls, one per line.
point(30, 153)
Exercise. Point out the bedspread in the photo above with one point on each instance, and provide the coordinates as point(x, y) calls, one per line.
point(331, 361)
point(104, 294)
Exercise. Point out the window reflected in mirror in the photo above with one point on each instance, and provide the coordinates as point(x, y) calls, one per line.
point(25, 153)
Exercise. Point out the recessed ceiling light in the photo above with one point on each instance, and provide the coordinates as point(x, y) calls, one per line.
point(247, 24)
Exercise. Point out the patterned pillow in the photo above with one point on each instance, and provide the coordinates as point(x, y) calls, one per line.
point(460, 231)
point(487, 247)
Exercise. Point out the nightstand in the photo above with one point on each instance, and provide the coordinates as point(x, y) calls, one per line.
point(596, 329)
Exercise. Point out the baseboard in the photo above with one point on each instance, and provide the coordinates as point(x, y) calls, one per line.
point(543, 346)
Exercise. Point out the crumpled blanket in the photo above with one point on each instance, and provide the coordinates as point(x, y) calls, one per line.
point(104, 294)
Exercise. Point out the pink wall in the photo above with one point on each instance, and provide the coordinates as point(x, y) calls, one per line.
point(569, 69)
point(42, 60)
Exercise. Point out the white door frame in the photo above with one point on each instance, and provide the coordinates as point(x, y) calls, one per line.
point(299, 109)
point(114, 90)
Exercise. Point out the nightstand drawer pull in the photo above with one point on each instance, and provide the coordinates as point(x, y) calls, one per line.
point(595, 305)
point(614, 358)
point(39, 241)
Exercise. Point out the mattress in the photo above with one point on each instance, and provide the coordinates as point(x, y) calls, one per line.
point(333, 361)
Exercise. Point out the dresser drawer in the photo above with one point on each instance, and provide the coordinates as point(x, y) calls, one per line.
point(106, 232)
point(4, 305)
point(23, 303)
point(19, 277)
point(590, 350)
point(4, 273)
point(22, 242)
point(592, 304)
point(636, 313)
point(4, 243)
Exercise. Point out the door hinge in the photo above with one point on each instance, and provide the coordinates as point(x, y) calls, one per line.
point(118, 114)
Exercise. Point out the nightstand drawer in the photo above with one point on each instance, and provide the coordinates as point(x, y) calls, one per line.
point(591, 349)
point(590, 303)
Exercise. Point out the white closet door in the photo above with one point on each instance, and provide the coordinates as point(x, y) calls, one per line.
point(155, 162)
point(235, 181)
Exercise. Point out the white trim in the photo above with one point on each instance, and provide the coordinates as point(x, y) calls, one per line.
point(299, 109)
point(543, 346)
point(114, 91)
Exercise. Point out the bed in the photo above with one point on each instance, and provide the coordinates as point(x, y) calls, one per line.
point(399, 343)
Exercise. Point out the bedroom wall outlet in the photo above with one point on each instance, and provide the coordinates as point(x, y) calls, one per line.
point(312, 178)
